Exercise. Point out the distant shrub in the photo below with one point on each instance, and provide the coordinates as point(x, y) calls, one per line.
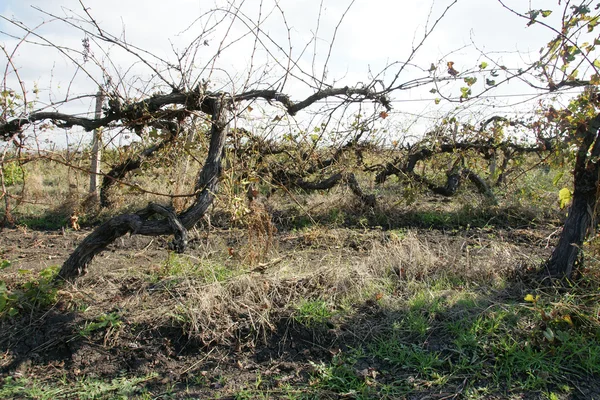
point(13, 173)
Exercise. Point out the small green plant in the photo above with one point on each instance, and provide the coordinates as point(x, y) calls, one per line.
point(178, 266)
point(313, 313)
point(82, 388)
point(337, 216)
point(340, 376)
point(6, 301)
point(557, 323)
point(37, 293)
point(109, 322)
point(408, 356)
point(13, 173)
point(5, 295)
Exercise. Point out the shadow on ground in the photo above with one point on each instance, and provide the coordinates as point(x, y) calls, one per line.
point(444, 345)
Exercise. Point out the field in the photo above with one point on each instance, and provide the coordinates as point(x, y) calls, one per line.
point(301, 296)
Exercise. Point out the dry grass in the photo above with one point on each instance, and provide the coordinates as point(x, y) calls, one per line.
point(225, 300)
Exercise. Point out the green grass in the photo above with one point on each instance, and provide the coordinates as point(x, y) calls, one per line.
point(109, 321)
point(180, 266)
point(37, 292)
point(48, 221)
point(13, 173)
point(82, 388)
point(456, 340)
point(313, 313)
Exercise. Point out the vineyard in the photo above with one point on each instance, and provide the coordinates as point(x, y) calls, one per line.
point(334, 286)
point(273, 232)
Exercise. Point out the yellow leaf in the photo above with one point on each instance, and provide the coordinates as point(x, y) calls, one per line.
point(565, 196)
point(530, 298)
point(568, 320)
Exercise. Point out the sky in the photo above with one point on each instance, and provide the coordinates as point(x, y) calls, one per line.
point(338, 42)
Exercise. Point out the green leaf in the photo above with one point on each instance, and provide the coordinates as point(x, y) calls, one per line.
point(546, 13)
point(4, 264)
point(565, 196)
point(557, 178)
point(483, 65)
point(490, 82)
point(592, 24)
point(437, 100)
point(465, 92)
point(573, 75)
point(470, 81)
point(549, 334)
point(563, 336)
point(532, 16)
point(597, 63)
point(434, 91)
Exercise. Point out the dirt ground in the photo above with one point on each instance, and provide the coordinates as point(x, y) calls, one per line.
point(49, 345)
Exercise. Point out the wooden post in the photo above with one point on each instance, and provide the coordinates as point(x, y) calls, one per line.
point(96, 148)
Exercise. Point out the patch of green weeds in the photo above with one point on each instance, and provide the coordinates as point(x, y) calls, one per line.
point(413, 323)
point(422, 308)
point(341, 376)
point(298, 219)
point(397, 235)
point(508, 345)
point(433, 219)
point(313, 313)
point(13, 173)
point(39, 292)
point(426, 301)
point(109, 322)
point(255, 392)
point(47, 221)
point(336, 216)
point(82, 389)
point(438, 337)
point(282, 392)
point(177, 265)
point(408, 356)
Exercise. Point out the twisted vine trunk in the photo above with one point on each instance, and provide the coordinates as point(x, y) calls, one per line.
point(139, 223)
point(580, 220)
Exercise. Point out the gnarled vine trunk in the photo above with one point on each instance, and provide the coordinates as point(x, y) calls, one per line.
point(585, 197)
point(139, 223)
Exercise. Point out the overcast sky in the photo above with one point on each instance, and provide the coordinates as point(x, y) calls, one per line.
point(328, 39)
